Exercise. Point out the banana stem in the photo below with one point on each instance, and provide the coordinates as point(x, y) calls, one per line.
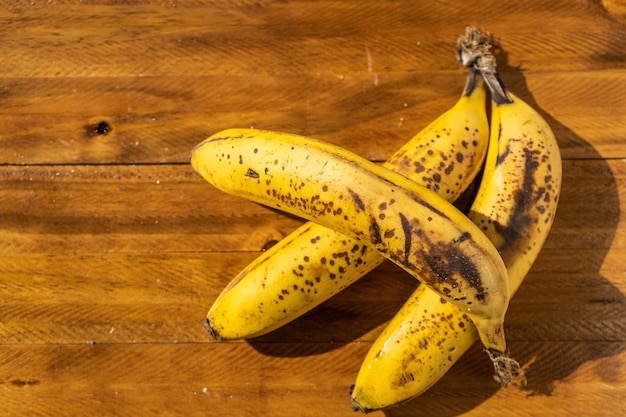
point(507, 369)
point(474, 51)
point(472, 81)
point(486, 65)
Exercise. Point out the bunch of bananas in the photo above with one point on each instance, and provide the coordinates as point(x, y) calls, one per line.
point(469, 263)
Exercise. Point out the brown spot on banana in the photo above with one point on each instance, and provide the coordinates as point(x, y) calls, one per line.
point(527, 195)
point(408, 236)
point(376, 237)
point(357, 200)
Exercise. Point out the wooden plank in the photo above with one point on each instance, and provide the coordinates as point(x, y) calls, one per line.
point(147, 298)
point(213, 379)
point(170, 208)
point(156, 298)
point(239, 379)
point(332, 37)
point(97, 209)
point(159, 120)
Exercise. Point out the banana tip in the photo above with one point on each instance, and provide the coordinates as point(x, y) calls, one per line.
point(214, 333)
point(356, 406)
point(195, 148)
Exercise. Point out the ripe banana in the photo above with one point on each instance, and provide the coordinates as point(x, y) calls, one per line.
point(407, 223)
point(515, 207)
point(313, 262)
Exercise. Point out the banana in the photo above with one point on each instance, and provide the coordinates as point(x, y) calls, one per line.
point(515, 207)
point(406, 222)
point(313, 263)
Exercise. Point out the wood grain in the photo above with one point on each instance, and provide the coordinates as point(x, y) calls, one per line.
point(127, 380)
point(160, 119)
point(113, 249)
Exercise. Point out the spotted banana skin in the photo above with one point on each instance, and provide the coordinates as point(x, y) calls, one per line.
point(405, 222)
point(515, 208)
point(518, 214)
point(313, 263)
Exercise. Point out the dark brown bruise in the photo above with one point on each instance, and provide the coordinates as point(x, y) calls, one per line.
point(406, 228)
point(446, 262)
point(375, 233)
point(524, 199)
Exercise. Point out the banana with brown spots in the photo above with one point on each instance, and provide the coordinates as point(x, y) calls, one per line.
point(515, 207)
point(314, 262)
point(404, 221)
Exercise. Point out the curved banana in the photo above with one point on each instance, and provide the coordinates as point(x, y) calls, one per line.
point(407, 223)
point(515, 207)
point(313, 262)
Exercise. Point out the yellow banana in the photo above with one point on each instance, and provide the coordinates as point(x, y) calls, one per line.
point(407, 223)
point(515, 207)
point(313, 262)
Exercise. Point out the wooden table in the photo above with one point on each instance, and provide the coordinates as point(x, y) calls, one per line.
point(113, 248)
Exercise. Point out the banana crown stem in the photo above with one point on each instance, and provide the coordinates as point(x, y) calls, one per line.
point(474, 51)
